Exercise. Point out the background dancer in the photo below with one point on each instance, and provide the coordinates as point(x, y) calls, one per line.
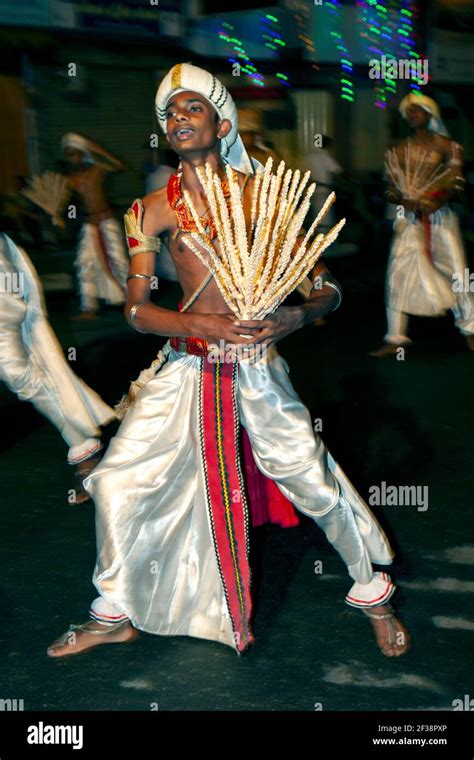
point(427, 260)
point(101, 262)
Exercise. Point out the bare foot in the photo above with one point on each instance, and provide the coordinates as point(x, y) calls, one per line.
point(82, 470)
point(392, 637)
point(79, 640)
point(388, 349)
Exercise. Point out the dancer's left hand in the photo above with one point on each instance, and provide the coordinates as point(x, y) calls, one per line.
point(282, 322)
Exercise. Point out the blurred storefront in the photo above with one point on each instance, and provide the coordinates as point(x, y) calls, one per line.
point(303, 64)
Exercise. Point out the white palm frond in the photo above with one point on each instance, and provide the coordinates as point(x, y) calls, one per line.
point(50, 191)
point(413, 173)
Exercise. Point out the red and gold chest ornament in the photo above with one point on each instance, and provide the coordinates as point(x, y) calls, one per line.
point(182, 211)
point(137, 242)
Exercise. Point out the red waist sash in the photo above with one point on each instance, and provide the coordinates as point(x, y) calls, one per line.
point(232, 497)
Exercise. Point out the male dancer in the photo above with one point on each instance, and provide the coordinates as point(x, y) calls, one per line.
point(172, 511)
point(101, 263)
point(250, 130)
point(33, 366)
point(427, 260)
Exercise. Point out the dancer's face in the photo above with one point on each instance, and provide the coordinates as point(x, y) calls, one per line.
point(417, 116)
point(74, 157)
point(192, 124)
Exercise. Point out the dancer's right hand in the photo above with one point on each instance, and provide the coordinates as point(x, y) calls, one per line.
point(217, 327)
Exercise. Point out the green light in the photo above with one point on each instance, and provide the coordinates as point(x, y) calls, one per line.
point(405, 12)
point(346, 81)
point(402, 31)
point(381, 8)
point(272, 18)
point(347, 97)
point(374, 29)
point(346, 89)
point(280, 42)
point(269, 45)
point(282, 76)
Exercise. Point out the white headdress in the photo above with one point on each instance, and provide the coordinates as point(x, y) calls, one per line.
point(436, 123)
point(74, 140)
point(183, 77)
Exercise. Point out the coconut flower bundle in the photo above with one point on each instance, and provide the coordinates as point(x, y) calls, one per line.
point(257, 268)
point(50, 191)
point(414, 175)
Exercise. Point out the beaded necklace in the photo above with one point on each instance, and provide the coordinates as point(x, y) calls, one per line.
point(181, 210)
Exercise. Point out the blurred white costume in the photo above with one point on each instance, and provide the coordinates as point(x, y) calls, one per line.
point(101, 263)
point(32, 363)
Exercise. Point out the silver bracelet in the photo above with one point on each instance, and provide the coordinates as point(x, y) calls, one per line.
point(326, 279)
point(132, 314)
point(139, 277)
point(333, 285)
